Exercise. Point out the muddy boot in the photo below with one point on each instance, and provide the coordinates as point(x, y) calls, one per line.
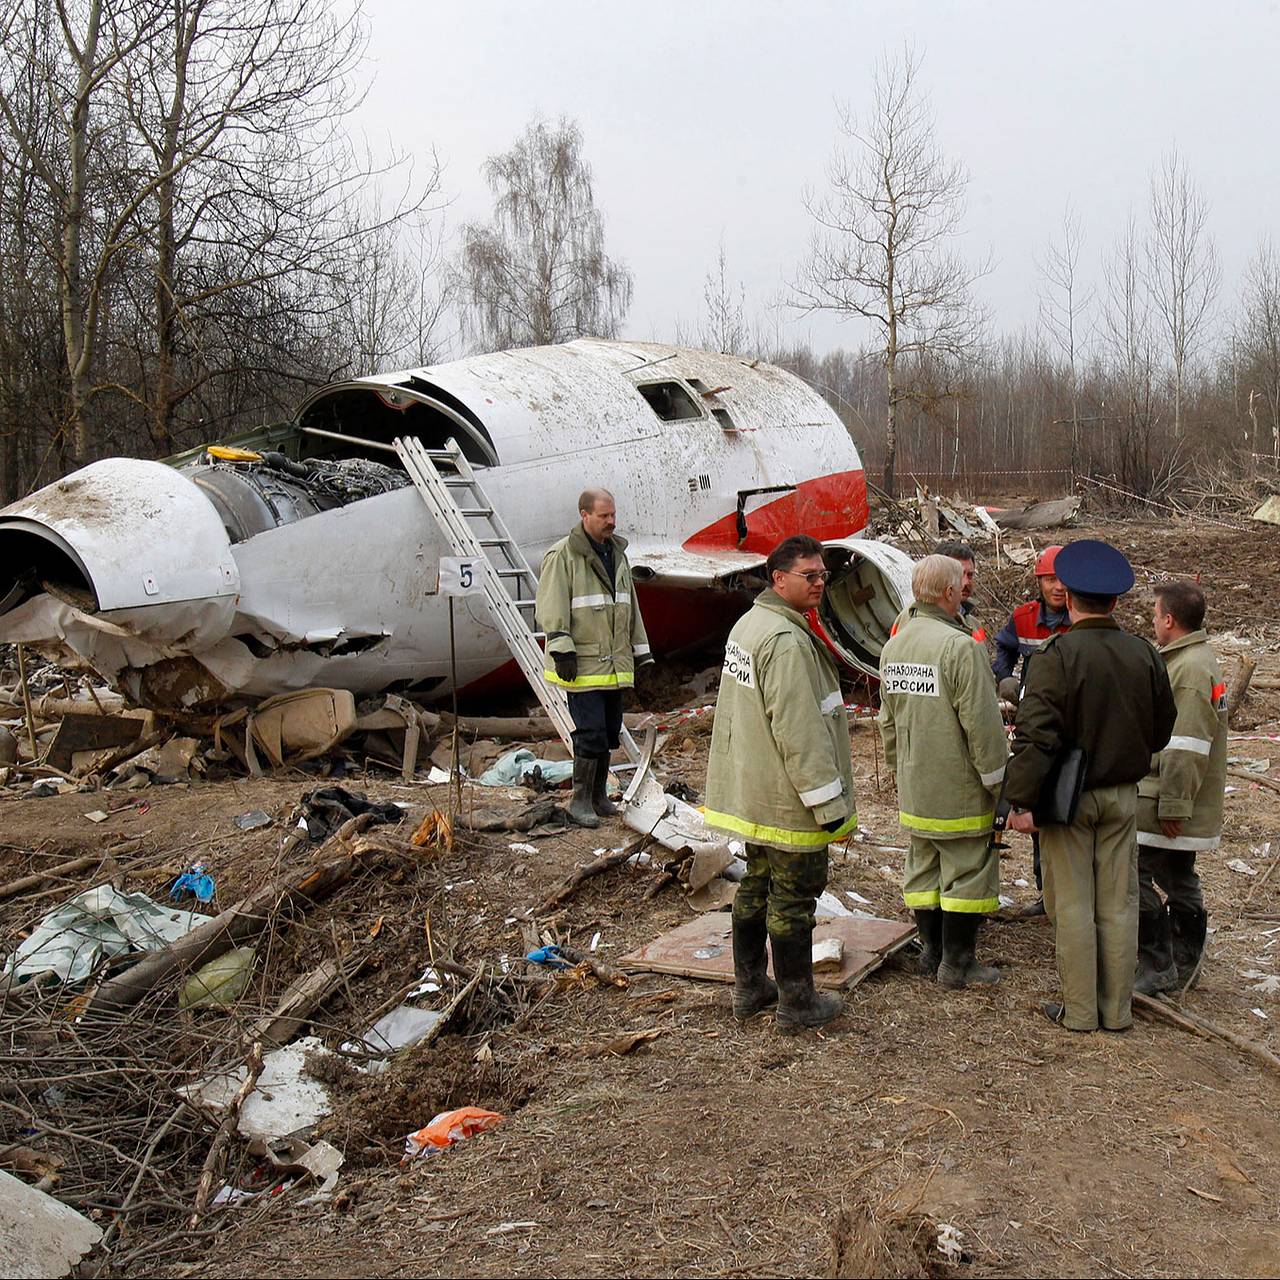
point(1156, 970)
point(753, 989)
point(604, 807)
point(581, 810)
point(1189, 929)
point(929, 925)
point(959, 968)
point(800, 1005)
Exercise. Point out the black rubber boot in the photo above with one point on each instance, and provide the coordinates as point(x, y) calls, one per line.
point(1156, 970)
point(604, 807)
point(581, 810)
point(753, 989)
point(959, 968)
point(800, 1005)
point(1189, 929)
point(929, 925)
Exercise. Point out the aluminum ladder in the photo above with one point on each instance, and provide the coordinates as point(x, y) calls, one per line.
point(510, 586)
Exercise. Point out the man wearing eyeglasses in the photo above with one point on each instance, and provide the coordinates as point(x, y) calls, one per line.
point(780, 776)
point(945, 741)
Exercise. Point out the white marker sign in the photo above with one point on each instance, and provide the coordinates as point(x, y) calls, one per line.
point(461, 576)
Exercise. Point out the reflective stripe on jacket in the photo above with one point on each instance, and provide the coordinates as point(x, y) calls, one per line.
point(943, 735)
point(1188, 778)
point(582, 613)
point(780, 765)
point(1028, 627)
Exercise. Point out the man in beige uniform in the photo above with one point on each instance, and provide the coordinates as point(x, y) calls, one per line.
point(945, 741)
point(1180, 800)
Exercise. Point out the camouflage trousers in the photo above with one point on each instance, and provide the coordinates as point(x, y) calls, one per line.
point(781, 886)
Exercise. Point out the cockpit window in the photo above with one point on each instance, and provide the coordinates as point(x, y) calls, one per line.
point(670, 401)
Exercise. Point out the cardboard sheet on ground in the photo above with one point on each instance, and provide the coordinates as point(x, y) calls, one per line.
point(702, 948)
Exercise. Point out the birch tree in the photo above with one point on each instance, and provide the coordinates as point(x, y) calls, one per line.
point(1182, 269)
point(538, 272)
point(1064, 304)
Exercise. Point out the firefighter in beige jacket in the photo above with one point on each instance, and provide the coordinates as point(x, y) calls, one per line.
point(945, 741)
point(595, 641)
point(1180, 800)
point(780, 776)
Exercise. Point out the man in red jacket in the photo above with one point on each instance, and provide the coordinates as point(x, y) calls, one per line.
point(1028, 627)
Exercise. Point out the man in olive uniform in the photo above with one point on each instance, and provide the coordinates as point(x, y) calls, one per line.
point(780, 776)
point(945, 740)
point(1098, 688)
point(595, 640)
point(1180, 800)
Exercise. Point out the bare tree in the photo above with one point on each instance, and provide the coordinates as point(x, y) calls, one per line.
point(538, 273)
point(881, 248)
point(1182, 268)
point(724, 323)
point(1262, 337)
point(240, 105)
point(1064, 303)
point(79, 46)
point(1127, 335)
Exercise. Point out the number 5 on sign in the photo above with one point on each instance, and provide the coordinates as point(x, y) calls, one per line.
point(461, 577)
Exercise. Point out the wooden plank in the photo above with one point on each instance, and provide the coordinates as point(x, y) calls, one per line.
point(703, 949)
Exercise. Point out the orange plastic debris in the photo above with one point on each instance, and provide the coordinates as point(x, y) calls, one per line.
point(450, 1127)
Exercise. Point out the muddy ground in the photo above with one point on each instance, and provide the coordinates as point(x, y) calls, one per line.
point(715, 1148)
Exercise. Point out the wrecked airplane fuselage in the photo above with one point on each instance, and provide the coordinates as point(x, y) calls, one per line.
point(303, 556)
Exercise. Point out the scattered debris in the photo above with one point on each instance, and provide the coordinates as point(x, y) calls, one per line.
point(327, 809)
point(99, 924)
point(220, 982)
point(622, 1045)
point(828, 954)
point(40, 1236)
point(522, 767)
point(1039, 515)
point(252, 820)
point(1269, 511)
point(450, 1127)
point(282, 1098)
point(1241, 867)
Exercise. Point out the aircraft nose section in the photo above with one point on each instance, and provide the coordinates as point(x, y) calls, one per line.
point(121, 560)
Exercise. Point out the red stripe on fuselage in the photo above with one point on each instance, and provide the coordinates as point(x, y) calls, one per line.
point(833, 506)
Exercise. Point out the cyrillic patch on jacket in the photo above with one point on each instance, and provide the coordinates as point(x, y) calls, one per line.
point(909, 677)
point(738, 664)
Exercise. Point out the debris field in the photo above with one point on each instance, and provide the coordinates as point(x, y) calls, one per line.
point(642, 1131)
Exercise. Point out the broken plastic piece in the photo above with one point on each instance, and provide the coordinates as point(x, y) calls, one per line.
point(549, 956)
point(194, 880)
point(450, 1127)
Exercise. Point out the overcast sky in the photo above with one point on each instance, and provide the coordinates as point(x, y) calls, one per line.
point(708, 119)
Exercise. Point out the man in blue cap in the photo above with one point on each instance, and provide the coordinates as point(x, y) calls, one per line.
point(1099, 688)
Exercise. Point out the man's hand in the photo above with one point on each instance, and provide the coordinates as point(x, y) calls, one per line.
point(1021, 820)
point(566, 665)
point(1172, 827)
